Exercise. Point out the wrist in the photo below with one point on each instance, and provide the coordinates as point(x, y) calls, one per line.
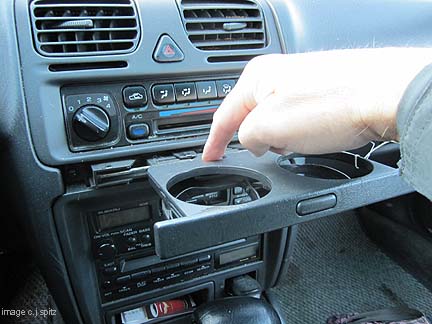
point(392, 72)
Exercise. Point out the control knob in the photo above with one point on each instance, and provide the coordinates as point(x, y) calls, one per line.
point(107, 250)
point(91, 123)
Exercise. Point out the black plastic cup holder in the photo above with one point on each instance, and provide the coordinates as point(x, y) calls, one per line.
point(337, 166)
point(219, 186)
point(304, 193)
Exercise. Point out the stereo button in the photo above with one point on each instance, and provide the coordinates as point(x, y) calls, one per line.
point(238, 190)
point(173, 266)
point(146, 238)
point(189, 263)
point(110, 270)
point(158, 269)
point(132, 240)
point(242, 200)
point(204, 258)
point(107, 284)
point(123, 279)
point(108, 295)
point(141, 274)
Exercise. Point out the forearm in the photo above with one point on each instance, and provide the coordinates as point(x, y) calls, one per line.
point(316, 102)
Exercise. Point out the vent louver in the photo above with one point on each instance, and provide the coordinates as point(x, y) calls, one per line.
point(84, 27)
point(224, 24)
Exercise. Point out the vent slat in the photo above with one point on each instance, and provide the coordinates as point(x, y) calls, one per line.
point(82, 5)
point(84, 27)
point(84, 18)
point(221, 20)
point(228, 43)
point(224, 24)
point(208, 6)
point(84, 42)
point(223, 32)
point(66, 30)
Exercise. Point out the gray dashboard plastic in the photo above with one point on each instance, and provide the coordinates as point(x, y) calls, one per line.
point(202, 226)
point(305, 26)
point(337, 24)
point(157, 17)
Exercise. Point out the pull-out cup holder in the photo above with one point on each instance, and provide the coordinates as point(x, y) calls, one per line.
point(200, 197)
point(215, 186)
point(336, 166)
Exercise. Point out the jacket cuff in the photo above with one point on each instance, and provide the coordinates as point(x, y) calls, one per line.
point(414, 125)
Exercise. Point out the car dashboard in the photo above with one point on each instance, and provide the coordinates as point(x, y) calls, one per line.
point(105, 108)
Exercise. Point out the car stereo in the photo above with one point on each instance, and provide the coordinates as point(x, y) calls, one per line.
point(123, 251)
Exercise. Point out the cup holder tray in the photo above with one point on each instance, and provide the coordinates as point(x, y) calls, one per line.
point(241, 195)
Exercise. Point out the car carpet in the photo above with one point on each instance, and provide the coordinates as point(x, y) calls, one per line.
point(337, 269)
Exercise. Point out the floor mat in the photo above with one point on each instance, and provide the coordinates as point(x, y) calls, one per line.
point(33, 304)
point(337, 269)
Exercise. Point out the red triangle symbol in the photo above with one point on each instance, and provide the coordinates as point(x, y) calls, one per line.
point(168, 50)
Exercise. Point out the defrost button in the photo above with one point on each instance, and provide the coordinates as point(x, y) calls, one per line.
point(206, 90)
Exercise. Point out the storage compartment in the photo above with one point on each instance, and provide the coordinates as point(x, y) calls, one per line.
point(329, 166)
point(165, 308)
point(315, 186)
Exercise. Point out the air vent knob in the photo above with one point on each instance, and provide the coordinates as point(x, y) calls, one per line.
point(91, 123)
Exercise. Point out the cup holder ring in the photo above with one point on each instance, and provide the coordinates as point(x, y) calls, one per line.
point(336, 166)
point(219, 186)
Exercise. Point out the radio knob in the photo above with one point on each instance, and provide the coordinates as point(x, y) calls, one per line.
point(146, 238)
point(91, 123)
point(107, 251)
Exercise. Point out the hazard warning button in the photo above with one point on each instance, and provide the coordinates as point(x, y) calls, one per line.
point(167, 51)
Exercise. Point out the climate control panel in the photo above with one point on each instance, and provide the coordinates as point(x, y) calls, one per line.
point(91, 119)
point(141, 112)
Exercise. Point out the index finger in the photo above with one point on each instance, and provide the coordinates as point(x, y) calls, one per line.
point(227, 120)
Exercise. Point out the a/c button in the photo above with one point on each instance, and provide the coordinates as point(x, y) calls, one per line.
point(138, 131)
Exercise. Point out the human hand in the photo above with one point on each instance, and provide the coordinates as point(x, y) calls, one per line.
point(316, 102)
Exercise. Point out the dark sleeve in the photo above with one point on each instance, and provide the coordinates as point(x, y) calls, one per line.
point(414, 124)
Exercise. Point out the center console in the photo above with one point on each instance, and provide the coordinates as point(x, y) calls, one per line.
point(110, 251)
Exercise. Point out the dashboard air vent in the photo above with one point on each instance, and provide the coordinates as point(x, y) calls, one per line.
point(84, 27)
point(224, 24)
